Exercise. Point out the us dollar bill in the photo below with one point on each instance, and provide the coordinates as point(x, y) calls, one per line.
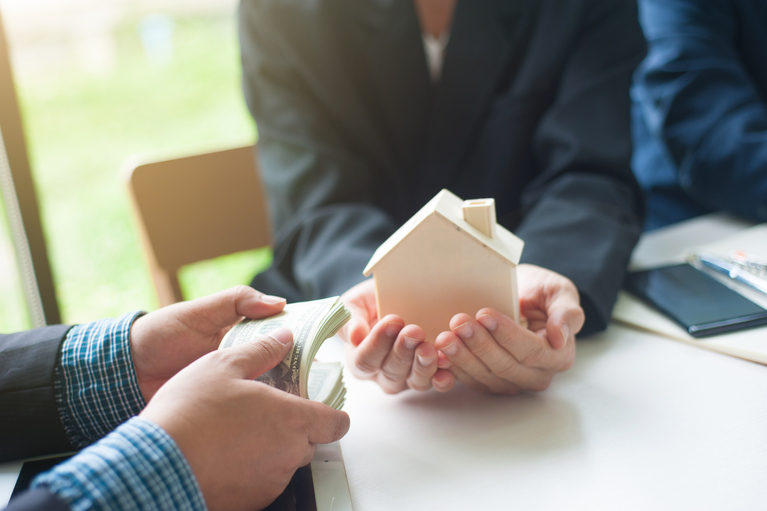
point(311, 323)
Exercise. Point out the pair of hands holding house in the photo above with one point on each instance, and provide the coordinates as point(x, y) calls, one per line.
point(488, 352)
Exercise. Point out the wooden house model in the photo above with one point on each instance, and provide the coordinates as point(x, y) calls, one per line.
point(450, 257)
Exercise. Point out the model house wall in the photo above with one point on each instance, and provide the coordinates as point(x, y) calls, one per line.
point(438, 265)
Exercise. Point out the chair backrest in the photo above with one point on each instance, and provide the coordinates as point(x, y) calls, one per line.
point(195, 208)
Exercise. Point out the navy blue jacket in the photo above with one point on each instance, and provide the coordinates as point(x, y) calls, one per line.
point(700, 109)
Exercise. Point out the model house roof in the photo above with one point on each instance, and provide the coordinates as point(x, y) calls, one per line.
point(450, 207)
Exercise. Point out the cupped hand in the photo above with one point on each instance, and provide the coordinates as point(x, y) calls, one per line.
point(167, 340)
point(242, 438)
point(491, 353)
point(387, 351)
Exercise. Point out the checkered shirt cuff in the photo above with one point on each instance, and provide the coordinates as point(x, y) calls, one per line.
point(96, 384)
point(138, 466)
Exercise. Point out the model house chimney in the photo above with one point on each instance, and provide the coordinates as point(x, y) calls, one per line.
point(480, 214)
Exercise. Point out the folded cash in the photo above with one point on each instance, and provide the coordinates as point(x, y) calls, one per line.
point(311, 323)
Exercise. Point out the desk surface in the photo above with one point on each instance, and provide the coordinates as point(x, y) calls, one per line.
point(639, 422)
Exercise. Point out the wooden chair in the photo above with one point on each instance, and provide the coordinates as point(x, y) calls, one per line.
point(196, 208)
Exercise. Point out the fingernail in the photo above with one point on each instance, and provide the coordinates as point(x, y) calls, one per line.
point(392, 329)
point(411, 343)
point(443, 365)
point(425, 361)
point(487, 322)
point(450, 350)
point(439, 384)
point(464, 331)
point(282, 335)
point(565, 334)
point(272, 299)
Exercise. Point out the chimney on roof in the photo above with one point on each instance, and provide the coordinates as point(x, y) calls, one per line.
point(480, 214)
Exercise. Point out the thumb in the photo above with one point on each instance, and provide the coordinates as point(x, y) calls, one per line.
point(225, 308)
point(565, 319)
point(253, 359)
point(327, 424)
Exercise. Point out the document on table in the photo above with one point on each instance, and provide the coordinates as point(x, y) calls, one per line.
point(747, 344)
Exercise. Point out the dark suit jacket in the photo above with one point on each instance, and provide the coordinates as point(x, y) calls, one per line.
point(29, 417)
point(700, 109)
point(532, 109)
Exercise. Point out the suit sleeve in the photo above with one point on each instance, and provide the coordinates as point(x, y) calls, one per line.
point(320, 190)
point(583, 212)
point(701, 106)
point(29, 417)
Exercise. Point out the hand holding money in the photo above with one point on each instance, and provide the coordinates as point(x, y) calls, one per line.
point(298, 374)
point(165, 341)
point(243, 440)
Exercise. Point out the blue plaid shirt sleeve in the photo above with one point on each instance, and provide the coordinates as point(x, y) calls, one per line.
point(137, 466)
point(96, 385)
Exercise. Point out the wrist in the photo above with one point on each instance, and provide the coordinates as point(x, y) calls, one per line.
point(96, 384)
point(138, 466)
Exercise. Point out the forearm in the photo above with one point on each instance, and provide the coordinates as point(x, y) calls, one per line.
point(583, 212)
point(326, 221)
point(138, 466)
point(96, 385)
point(701, 107)
point(322, 176)
point(62, 388)
point(585, 228)
point(325, 254)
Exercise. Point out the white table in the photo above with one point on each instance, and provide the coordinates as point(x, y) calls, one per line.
point(639, 422)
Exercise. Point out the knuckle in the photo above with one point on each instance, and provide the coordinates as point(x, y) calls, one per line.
point(399, 357)
point(508, 370)
point(534, 356)
point(418, 384)
point(242, 289)
point(482, 349)
point(391, 376)
point(240, 292)
point(218, 355)
point(484, 376)
point(365, 369)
